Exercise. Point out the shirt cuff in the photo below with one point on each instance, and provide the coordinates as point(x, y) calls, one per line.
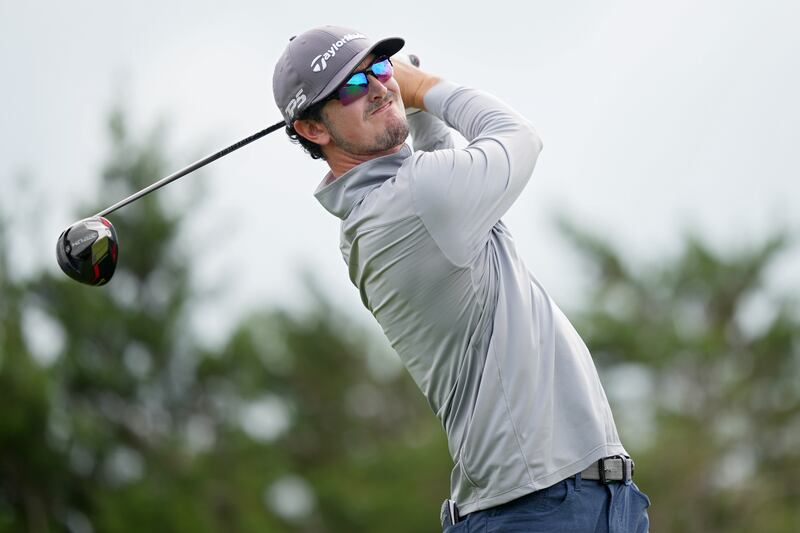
point(437, 95)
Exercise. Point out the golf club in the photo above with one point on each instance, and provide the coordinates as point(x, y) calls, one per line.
point(87, 251)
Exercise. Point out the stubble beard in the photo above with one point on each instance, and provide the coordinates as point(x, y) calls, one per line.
point(396, 133)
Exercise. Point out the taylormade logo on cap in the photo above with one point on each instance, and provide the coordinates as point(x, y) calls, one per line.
point(320, 63)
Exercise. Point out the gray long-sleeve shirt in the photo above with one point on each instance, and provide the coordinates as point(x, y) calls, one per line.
point(510, 379)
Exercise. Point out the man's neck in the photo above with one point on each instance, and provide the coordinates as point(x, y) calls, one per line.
point(340, 162)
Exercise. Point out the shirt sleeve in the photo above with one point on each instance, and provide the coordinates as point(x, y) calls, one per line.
point(429, 133)
point(460, 194)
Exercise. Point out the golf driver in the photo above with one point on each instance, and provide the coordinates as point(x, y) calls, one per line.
point(88, 250)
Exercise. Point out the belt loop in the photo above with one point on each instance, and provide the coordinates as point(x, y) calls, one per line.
point(601, 466)
point(627, 470)
point(578, 482)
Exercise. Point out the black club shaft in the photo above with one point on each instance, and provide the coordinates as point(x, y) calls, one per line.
point(189, 169)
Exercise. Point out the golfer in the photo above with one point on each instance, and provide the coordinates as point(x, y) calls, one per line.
point(528, 425)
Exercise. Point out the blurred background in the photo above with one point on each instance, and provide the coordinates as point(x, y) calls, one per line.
point(228, 379)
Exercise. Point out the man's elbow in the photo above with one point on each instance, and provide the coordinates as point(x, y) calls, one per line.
point(533, 139)
point(531, 145)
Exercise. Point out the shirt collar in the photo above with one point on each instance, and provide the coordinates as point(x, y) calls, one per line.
point(340, 196)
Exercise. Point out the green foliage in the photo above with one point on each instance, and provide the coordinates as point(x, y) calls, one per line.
point(134, 426)
point(715, 358)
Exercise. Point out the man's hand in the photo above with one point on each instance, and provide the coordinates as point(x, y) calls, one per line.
point(413, 82)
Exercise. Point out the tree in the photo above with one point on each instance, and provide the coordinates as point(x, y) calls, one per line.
point(703, 362)
point(131, 425)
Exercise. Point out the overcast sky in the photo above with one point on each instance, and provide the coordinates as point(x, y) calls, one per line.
point(656, 119)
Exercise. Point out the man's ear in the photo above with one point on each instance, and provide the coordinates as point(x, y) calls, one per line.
point(313, 130)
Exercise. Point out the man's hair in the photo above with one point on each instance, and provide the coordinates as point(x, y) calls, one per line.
point(312, 113)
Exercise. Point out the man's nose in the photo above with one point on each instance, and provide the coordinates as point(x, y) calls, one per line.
point(377, 90)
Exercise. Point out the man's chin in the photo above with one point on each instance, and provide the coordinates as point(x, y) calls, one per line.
point(396, 131)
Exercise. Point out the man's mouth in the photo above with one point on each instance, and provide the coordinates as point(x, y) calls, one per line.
point(383, 106)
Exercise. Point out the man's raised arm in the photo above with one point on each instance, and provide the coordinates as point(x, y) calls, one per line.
point(461, 194)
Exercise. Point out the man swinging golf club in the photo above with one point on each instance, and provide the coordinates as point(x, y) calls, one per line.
point(528, 424)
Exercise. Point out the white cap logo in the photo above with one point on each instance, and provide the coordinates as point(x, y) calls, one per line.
point(320, 63)
point(298, 101)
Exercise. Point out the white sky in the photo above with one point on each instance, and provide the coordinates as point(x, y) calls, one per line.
point(657, 118)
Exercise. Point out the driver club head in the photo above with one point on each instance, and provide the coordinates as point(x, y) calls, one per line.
point(87, 251)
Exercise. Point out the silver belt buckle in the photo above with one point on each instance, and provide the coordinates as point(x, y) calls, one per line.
point(627, 469)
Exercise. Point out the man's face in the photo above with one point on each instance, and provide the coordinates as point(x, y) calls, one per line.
point(372, 124)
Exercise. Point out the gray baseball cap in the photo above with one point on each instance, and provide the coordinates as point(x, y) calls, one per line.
point(317, 62)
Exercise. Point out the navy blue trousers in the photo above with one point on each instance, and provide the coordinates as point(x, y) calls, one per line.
point(574, 505)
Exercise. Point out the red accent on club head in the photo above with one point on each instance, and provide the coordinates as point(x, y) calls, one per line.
point(114, 252)
point(96, 272)
point(105, 222)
